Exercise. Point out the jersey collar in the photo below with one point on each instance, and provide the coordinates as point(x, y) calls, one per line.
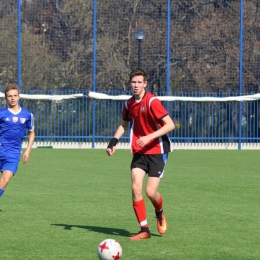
point(15, 113)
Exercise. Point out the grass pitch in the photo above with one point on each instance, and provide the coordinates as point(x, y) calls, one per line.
point(64, 202)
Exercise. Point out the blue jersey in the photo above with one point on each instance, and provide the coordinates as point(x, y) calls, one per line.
point(12, 131)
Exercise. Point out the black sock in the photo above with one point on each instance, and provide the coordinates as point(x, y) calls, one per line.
point(158, 214)
point(145, 229)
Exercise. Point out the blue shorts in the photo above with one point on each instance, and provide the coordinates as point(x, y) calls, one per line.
point(9, 165)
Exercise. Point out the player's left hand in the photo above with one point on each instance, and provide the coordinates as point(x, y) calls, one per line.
point(142, 141)
point(26, 156)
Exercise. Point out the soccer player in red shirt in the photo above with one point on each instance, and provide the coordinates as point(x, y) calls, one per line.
point(150, 146)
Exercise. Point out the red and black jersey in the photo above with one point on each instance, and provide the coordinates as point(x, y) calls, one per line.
point(145, 116)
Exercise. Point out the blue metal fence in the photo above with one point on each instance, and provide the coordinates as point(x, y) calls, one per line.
point(196, 122)
point(90, 45)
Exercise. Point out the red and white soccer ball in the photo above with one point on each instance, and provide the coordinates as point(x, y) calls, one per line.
point(109, 249)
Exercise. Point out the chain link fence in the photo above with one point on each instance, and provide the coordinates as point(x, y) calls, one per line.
point(187, 45)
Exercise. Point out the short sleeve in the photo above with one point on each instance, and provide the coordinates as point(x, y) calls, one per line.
point(125, 113)
point(30, 122)
point(158, 109)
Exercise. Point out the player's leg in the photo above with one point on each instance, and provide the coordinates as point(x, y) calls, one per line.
point(8, 168)
point(4, 180)
point(137, 175)
point(157, 201)
point(156, 165)
point(152, 189)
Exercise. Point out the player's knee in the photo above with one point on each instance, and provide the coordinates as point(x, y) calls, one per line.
point(150, 193)
point(136, 189)
point(3, 185)
point(4, 181)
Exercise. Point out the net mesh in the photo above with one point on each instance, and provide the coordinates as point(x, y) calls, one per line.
point(62, 50)
point(58, 37)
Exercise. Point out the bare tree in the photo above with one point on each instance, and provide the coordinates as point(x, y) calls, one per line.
point(57, 44)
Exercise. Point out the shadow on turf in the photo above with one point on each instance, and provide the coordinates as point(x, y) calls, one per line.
point(104, 230)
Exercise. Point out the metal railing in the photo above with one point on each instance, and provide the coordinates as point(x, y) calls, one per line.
point(196, 122)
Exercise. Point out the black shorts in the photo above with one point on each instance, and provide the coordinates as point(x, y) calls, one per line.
point(152, 164)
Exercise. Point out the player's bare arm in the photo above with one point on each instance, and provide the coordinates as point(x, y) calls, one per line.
point(26, 155)
point(168, 126)
point(119, 132)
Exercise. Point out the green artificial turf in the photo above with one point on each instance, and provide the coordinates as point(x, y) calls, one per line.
point(64, 202)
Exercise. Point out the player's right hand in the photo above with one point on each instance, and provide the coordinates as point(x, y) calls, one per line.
point(110, 151)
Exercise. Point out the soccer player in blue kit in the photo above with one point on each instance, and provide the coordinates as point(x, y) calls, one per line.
point(14, 121)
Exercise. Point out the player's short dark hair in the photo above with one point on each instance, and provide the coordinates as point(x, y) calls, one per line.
point(11, 87)
point(137, 72)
